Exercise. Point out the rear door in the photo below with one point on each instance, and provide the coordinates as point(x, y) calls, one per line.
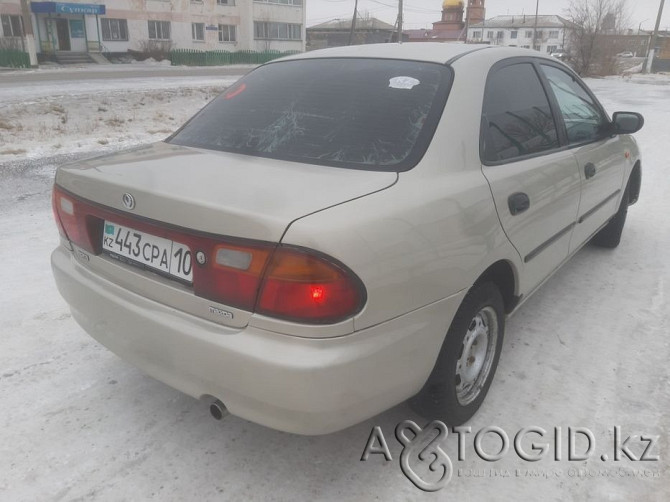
point(599, 155)
point(535, 183)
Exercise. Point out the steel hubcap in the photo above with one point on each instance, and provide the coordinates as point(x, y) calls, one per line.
point(477, 353)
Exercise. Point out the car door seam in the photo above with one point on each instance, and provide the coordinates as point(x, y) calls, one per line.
point(548, 242)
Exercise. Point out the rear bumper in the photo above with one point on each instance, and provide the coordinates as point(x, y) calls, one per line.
point(298, 385)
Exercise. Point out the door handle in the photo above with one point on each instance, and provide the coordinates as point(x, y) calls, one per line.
point(589, 170)
point(518, 203)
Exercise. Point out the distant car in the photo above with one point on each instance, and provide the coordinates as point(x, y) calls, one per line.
point(345, 229)
point(626, 54)
point(560, 55)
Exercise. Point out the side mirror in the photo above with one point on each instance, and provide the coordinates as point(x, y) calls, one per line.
point(626, 122)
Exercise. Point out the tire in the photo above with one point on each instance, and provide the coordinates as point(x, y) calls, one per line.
point(610, 235)
point(468, 359)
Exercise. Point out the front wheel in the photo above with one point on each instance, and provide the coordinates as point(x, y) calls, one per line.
point(468, 359)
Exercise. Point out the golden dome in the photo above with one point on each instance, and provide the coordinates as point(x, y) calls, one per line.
point(452, 3)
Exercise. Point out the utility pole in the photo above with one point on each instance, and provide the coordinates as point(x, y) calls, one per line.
point(537, 8)
point(652, 44)
point(467, 22)
point(353, 22)
point(28, 34)
point(399, 21)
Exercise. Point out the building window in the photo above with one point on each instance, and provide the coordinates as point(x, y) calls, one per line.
point(281, 2)
point(159, 30)
point(12, 26)
point(514, 34)
point(225, 2)
point(476, 34)
point(277, 31)
point(501, 34)
point(114, 29)
point(529, 34)
point(553, 34)
point(198, 31)
point(489, 34)
point(552, 48)
point(227, 33)
point(538, 34)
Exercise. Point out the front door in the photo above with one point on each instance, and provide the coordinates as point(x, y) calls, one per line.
point(63, 34)
point(599, 155)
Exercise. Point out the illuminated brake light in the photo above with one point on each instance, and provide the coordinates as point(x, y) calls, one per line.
point(318, 294)
point(303, 286)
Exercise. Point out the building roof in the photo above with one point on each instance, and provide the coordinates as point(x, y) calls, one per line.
point(524, 21)
point(371, 23)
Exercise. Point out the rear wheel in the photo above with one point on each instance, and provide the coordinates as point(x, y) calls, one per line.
point(468, 359)
point(610, 235)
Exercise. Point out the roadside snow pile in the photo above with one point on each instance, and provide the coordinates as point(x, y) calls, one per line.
point(649, 78)
point(151, 62)
point(95, 120)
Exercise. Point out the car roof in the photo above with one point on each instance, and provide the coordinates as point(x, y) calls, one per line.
point(434, 52)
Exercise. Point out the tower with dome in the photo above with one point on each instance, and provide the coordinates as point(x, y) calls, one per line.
point(453, 25)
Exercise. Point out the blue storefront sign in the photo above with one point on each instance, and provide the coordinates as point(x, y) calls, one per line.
point(66, 8)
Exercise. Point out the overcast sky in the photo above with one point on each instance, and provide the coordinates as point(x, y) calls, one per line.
point(421, 13)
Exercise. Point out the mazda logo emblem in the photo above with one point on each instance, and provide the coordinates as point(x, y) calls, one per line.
point(128, 201)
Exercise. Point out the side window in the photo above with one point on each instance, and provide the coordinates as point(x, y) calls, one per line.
point(517, 118)
point(582, 116)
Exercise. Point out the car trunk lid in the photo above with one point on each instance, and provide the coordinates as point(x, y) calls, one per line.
point(215, 192)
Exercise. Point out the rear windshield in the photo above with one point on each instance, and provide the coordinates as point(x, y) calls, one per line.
point(358, 113)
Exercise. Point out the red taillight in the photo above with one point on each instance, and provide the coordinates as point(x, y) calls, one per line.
point(278, 281)
point(72, 220)
point(232, 274)
point(304, 286)
point(282, 282)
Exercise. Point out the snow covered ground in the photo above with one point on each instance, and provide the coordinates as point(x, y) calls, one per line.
point(39, 119)
point(590, 349)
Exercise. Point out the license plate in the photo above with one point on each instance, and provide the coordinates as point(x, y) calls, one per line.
point(163, 255)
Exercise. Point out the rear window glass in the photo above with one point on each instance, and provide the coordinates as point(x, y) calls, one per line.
point(358, 113)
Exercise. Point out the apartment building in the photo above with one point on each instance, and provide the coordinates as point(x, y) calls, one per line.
point(551, 32)
point(119, 25)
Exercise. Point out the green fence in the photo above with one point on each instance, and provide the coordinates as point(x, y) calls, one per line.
point(14, 58)
point(192, 57)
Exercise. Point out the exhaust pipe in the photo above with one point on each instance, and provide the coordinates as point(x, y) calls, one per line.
point(218, 410)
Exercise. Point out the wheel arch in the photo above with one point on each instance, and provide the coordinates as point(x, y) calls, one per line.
point(635, 183)
point(503, 274)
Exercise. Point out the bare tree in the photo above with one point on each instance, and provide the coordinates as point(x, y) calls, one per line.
point(592, 22)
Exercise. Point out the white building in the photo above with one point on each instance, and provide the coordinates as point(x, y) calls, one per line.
point(118, 25)
point(551, 35)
